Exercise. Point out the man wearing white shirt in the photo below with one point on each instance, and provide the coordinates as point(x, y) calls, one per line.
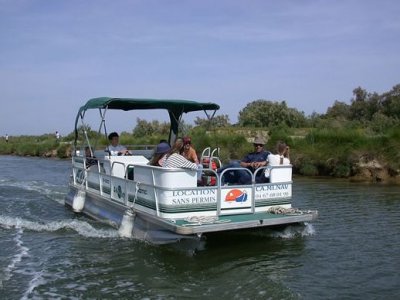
point(115, 148)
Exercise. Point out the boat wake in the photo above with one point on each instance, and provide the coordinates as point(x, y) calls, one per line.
point(81, 227)
point(53, 192)
point(21, 251)
point(294, 231)
point(35, 282)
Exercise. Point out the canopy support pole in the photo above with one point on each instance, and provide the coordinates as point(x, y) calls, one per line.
point(85, 127)
point(175, 118)
point(102, 123)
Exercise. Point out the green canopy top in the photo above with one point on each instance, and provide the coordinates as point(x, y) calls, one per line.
point(174, 107)
point(183, 106)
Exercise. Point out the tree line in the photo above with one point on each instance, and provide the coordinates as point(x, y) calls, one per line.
point(377, 112)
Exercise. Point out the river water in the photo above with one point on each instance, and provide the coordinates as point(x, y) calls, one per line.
point(352, 251)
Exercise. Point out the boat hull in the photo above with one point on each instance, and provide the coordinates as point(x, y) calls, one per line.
point(111, 213)
point(158, 231)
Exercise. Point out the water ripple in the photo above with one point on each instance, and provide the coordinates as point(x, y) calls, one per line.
point(81, 227)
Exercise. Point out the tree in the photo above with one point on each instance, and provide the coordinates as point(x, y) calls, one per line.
point(81, 133)
point(264, 113)
point(339, 110)
point(184, 128)
point(380, 122)
point(391, 103)
point(216, 122)
point(363, 106)
point(360, 94)
point(145, 128)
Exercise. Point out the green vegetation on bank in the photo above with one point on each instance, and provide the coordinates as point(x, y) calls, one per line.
point(331, 144)
point(44, 145)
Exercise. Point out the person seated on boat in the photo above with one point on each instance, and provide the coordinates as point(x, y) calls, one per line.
point(175, 160)
point(279, 159)
point(90, 158)
point(282, 156)
point(252, 161)
point(188, 151)
point(159, 155)
point(115, 148)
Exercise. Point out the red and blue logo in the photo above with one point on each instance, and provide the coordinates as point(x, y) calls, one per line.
point(236, 195)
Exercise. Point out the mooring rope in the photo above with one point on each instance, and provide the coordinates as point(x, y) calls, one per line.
point(279, 210)
point(204, 220)
point(136, 191)
point(135, 196)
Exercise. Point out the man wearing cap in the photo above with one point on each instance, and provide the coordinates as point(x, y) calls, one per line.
point(251, 161)
point(258, 158)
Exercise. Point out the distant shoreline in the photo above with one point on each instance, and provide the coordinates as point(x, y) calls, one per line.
point(354, 155)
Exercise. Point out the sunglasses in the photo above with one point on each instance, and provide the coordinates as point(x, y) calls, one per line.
point(258, 145)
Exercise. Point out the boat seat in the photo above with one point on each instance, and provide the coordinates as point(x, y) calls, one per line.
point(119, 165)
point(211, 162)
point(280, 174)
point(165, 177)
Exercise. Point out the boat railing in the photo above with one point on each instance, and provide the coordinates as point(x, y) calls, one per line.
point(263, 181)
point(240, 208)
point(158, 181)
point(117, 168)
point(79, 170)
point(100, 152)
point(274, 174)
point(141, 146)
point(210, 158)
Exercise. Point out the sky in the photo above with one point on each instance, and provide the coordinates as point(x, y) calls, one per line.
point(55, 55)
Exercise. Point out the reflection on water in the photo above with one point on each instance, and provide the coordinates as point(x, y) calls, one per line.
point(350, 251)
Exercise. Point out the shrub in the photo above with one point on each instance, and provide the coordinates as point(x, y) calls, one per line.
point(63, 150)
point(309, 169)
point(341, 170)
